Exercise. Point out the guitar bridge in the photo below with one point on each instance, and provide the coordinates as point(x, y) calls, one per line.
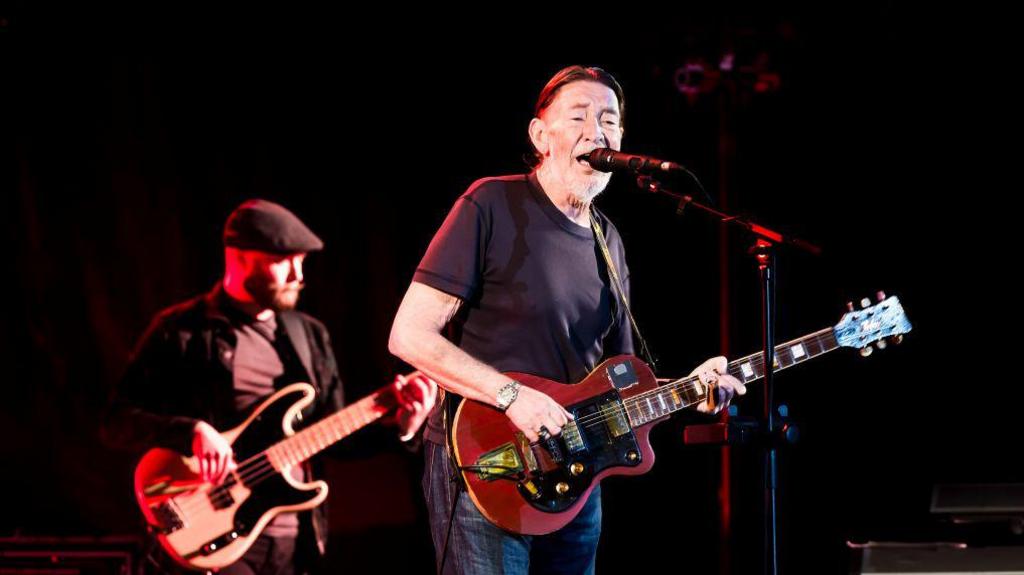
point(167, 517)
point(573, 438)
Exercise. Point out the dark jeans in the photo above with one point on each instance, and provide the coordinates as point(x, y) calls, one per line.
point(478, 547)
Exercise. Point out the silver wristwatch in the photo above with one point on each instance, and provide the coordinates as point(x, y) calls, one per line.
point(507, 394)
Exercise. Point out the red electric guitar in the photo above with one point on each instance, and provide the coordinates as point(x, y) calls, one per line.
point(536, 488)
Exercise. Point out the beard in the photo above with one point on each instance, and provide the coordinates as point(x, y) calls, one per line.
point(268, 295)
point(584, 190)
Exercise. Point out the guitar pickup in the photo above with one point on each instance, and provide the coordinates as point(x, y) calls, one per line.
point(220, 497)
point(616, 420)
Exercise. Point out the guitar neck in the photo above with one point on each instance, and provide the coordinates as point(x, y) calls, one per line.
point(688, 391)
point(331, 429)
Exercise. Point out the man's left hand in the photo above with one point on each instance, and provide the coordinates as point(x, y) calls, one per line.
point(714, 374)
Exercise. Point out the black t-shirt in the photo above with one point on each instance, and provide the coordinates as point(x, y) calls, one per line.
point(536, 294)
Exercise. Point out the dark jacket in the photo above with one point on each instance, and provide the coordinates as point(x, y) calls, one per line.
point(181, 372)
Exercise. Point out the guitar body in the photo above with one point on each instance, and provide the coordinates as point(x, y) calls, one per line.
point(208, 527)
point(533, 489)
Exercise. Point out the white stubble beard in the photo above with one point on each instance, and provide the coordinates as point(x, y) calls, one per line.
point(585, 190)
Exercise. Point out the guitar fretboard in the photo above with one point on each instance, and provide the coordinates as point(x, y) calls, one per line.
point(682, 393)
point(330, 430)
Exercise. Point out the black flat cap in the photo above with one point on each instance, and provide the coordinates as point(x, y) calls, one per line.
point(268, 227)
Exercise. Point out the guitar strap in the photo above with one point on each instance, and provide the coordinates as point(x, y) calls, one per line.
point(617, 288)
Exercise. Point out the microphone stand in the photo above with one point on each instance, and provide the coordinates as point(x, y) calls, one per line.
point(770, 430)
point(649, 184)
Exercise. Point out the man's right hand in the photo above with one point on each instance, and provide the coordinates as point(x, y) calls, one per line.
point(213, 452)
point(533, 409)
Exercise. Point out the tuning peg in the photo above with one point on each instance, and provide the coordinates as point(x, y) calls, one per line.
point(865, 303)
point(897, 339)
point(866, 350)
point(881, 344)
point(880, 295)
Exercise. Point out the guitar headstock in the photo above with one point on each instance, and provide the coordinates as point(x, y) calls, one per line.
point(884, 321)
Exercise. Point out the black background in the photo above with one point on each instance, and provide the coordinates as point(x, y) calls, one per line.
point(128, 138)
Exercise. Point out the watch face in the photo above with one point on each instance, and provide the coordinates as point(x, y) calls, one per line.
point(506, 395)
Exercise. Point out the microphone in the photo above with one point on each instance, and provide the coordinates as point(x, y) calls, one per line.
point(609, 160)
